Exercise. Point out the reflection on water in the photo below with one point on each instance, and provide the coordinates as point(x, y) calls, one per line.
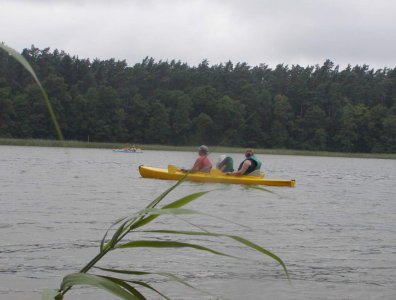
point(335, 230)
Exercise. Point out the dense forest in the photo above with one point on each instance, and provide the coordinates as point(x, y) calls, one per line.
point(169, 102)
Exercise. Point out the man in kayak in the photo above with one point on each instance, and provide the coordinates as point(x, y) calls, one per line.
point(225, 164)
point(202, 164)
point(250, 166)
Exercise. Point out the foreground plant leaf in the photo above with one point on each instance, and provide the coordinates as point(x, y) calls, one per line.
point(102, 242)
point(260, 188)
point(163, 274)
point(148, 286)
point(164, 194)
point(121, 287)
point(175, 204)
point(51, 294)
point(234, 237)
point(22, 60)
point(152, 212)
point(137, 220)
point(167, 244)
point(140, 273)
point(115, 286)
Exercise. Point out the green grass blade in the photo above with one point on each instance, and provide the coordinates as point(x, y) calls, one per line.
point(102, 242)
point(185, 200)
point(163, 274)
point(126, 286)
point(51, 295)
point(115, 237)
point(175, 204)
point(127, 225)
point(183, 211)
point(126, 272)
point(234, 237)
point(143, 212)
point(140, 273)
point(261, 189)
point(164, 194)
point(168, 211)
point(147, 286)
point(99, 282)
point(260, 249)
point(19, 58)
point(167, 244)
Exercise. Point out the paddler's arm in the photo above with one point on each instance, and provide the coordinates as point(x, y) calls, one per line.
point(242, 171)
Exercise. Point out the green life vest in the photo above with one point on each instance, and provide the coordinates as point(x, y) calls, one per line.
point(253, 167)
point(258, 163)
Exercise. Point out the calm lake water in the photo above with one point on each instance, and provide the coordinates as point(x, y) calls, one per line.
point(335, 230)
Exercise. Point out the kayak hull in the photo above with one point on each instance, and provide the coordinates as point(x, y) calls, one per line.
point(158, 173)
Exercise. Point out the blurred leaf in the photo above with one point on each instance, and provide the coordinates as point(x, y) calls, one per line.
point(111, 285)
point(140, 273)
point(234, 237)
point(185, 200)
point(108, 230)
point(140, 220)
point(167, 244)
point(18, 57)
point(260, 249)
point(126, 286)
point(125, 227)
point(260, 188)
point(146, 285)
point(22, 61)
point(175, 204)
point(164, 194)
point(51, 295)
point(168, 211)
point(163, 274)
point(116, 235)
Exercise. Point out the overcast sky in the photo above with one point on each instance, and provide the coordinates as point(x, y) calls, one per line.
point(305, 32)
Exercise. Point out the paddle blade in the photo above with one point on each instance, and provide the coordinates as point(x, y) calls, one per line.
point(172, 169)
point(216, 172)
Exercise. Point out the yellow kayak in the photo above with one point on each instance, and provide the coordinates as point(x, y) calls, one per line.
point(172, 173)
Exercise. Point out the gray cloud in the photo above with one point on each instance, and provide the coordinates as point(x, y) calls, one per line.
point(253, 31)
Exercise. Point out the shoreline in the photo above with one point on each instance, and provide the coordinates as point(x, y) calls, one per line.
point(80, 144)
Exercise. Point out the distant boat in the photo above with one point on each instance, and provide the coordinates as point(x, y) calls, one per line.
point(137, 150)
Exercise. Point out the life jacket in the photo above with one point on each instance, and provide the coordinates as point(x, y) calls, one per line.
point(255, 165)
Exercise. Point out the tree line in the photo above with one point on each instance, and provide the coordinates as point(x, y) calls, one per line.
point(314, 107)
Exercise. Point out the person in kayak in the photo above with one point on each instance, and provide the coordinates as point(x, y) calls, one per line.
point(225, 164)
point(202, 164)
point(250, 166)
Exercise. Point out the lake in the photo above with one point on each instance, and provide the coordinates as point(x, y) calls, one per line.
point(335, 230)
